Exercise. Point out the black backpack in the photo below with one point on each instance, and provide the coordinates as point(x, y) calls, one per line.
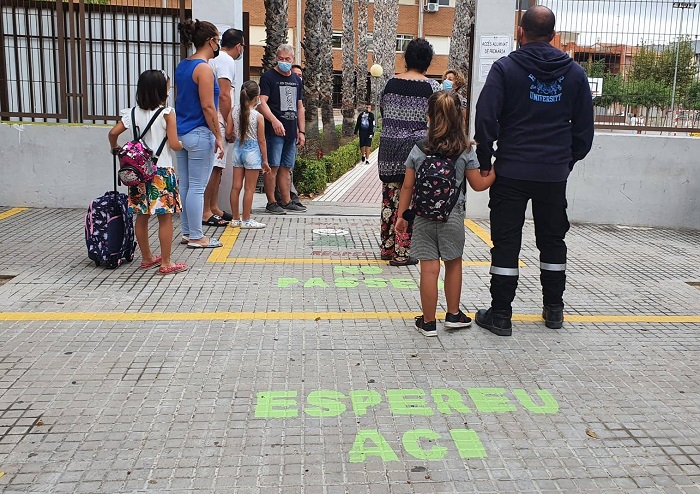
point(436, 191)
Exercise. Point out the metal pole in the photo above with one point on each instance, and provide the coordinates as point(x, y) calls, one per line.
point(420, 18)
point(675, 71)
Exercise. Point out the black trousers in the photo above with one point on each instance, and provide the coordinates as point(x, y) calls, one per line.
point(508, 201)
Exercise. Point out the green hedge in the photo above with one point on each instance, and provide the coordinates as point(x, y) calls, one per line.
point(311, 175)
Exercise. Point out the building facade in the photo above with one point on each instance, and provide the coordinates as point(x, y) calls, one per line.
point(436, 28)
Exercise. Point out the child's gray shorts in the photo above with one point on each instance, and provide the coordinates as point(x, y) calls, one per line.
point(437, 240)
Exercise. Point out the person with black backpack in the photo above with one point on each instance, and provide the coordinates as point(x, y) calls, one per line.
point(436, 170)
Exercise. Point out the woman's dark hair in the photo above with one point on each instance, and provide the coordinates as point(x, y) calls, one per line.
point(196, 32)
point(231, 38)
point(447, 132)
point(152, 89)
point(249, 91)
point(418, 55)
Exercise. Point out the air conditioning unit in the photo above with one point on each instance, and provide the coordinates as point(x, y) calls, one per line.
point(432, 7)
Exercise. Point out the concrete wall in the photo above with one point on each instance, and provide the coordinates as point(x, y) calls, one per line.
point(630, 180)
point(54, 165)
point(626, 179)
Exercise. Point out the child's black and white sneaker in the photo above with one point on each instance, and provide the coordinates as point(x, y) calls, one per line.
point(427, 328)
point(457, 321)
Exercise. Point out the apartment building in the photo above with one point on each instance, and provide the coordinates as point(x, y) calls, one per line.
point(434, 24)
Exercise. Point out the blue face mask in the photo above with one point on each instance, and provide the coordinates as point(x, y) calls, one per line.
point(447, 85)
point(284, 66)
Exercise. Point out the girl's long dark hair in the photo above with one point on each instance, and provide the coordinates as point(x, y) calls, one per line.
point(447, 132)
point(249, 91)
point(151, 89)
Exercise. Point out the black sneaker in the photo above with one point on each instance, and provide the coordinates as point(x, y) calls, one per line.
point(427, 328)
point(496, 321)
point(295, 208)
point(274, 208)
point(457, 321)
point(363, 159)
point(553, 316)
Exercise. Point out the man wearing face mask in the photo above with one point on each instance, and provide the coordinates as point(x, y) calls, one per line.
point(224, 67)
point(537, 104)
point(281, 103)
point(293, 195)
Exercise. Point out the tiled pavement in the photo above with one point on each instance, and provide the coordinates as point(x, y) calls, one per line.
point(305, 375)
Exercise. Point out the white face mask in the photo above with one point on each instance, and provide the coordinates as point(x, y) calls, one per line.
point(167, 95)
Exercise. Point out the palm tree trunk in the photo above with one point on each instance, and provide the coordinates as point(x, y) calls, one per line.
point(361, 68)
point(460, 45)
point(276, 21)
point(325, 87)
point(386, 17)
point(312, 57)
point(348, 45)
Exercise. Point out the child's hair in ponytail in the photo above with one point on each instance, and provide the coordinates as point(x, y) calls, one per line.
point(249, 91)
point(447, 133)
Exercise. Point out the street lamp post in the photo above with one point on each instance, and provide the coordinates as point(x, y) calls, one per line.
point(683, 6)
point(376, 71)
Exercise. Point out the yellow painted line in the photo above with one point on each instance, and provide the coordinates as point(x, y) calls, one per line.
point(12, 212)
point(310, 316)
point(197, 316)
point(283, 260)
point(479, 232)
point(228, 238)
point(485, 237)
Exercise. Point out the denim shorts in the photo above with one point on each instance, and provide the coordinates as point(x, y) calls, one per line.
point(246, 155)
point(281, 151)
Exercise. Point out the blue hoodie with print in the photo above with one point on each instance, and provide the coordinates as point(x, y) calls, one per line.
point(537, 104)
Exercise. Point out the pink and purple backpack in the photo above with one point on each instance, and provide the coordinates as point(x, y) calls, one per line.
point(137, 162)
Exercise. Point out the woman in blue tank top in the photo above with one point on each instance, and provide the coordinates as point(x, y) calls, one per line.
point(197, 127)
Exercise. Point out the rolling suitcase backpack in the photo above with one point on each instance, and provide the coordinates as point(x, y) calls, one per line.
point(109, 228)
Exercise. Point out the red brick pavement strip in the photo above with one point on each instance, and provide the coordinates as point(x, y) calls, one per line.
point(367, 189)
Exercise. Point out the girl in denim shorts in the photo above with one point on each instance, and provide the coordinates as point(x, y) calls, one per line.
point(249, 155)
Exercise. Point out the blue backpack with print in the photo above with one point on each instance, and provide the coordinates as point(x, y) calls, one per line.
point(109, 229)
point(436, 189)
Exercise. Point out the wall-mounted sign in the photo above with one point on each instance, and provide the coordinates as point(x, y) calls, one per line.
point(494, 47)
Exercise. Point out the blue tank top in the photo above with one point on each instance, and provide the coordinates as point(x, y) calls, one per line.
point(188, 108)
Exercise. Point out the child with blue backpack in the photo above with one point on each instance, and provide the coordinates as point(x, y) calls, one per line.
point(436, 170)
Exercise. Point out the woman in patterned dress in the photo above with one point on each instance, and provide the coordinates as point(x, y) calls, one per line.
point(403, 105)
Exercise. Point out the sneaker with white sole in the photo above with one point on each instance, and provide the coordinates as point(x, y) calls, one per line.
point(427, 328)
point(457, 321)
point(252, 224)
point(235, 223)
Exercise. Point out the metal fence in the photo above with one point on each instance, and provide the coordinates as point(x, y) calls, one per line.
point(642, 57)
point(78, 61)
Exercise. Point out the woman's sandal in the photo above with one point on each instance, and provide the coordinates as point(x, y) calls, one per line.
point(178, 267)
point(215, 220)
point(156, 262)
point(185, 240)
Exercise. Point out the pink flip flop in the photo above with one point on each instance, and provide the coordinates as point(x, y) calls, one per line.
point(156, 262)
point(178, 267)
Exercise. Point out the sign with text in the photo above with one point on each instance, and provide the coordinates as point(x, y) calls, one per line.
point(422, 444)
point(494, 47)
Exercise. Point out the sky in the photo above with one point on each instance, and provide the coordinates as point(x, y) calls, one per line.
point(625, 21)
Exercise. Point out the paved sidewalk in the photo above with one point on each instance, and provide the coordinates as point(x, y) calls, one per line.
point(287, 362)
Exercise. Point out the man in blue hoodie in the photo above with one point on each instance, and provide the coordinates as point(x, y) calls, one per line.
point(537, 104)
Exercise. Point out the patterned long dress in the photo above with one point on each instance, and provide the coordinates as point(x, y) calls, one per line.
point(404, 104)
